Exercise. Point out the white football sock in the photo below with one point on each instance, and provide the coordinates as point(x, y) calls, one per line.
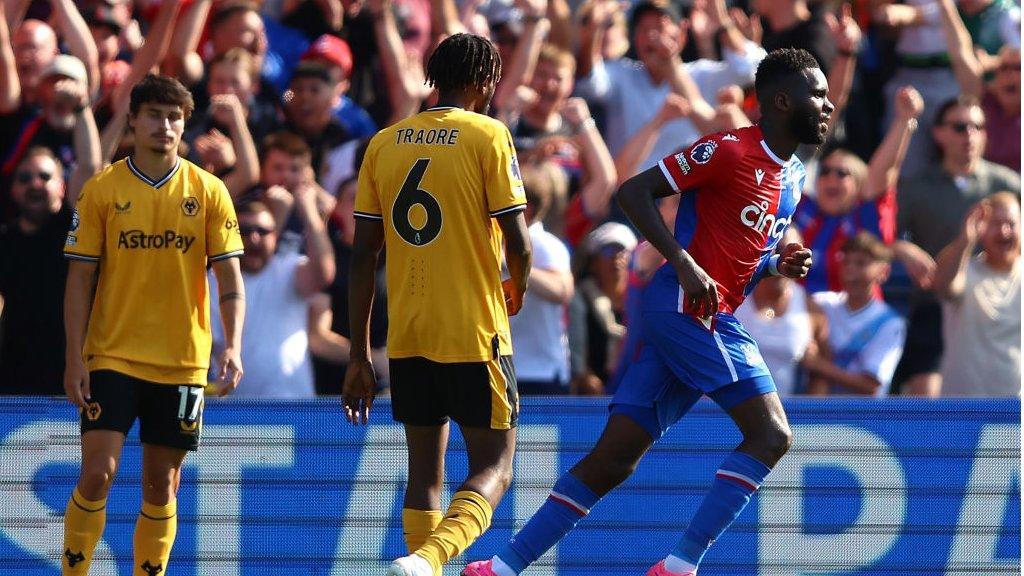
point(500, 568)
point(679, 566)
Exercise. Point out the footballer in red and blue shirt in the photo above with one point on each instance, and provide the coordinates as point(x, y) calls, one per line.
point(738, 192)
point(736, 199)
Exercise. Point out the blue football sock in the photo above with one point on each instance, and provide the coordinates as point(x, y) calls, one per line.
point(570, 500)
point(735, 482)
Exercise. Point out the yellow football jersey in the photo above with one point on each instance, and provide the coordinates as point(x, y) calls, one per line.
point(437, 179)
point(153, 239)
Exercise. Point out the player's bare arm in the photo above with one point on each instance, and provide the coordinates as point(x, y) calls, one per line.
point(518, 256)
point(232, 314)
point(77, 305)
point(360, 381)
point(636, 198)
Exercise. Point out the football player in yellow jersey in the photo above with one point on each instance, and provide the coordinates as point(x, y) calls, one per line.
point(142, 234)
point(440, 190)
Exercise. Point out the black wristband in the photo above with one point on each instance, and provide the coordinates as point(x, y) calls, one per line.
point(847, 53)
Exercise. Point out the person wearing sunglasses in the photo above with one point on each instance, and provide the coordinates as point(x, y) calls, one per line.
point(851, 196)
point(932, 205)
point(278, 283)
point(32, 266)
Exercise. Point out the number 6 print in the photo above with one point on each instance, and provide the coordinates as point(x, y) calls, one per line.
point(410, 195)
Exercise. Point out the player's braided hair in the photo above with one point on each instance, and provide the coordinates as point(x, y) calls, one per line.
point(779, 65)
point(461, 61)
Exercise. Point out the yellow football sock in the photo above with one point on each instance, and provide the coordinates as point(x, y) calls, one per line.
point(417, 526)
point(154, 536)
point(468, 517)
point(83, 526)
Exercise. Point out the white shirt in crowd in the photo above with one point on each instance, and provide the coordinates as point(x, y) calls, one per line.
point(782, 339)
point(865, 341)
point(539, 341)
point(275, 343)
point(981, 330)
point(632, 100)
point(926, 38)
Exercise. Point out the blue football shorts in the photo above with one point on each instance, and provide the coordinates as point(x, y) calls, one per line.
point(681, 360)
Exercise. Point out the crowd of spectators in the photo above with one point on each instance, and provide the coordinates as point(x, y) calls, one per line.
point(912, 208)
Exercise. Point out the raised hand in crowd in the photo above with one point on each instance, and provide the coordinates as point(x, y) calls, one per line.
point(960, 47)
point(238, 152)
point(710, 20)
point(703, 28)
point(325, 202)
point(748, 25)
point(892, 15)
point(599, 167)
point(909, 103)
point(470, 16)
point(520, 99)
point(953, 260)
point(403, 69)
point(576, 112)
point(847, 37)
point(844, 29)
point(730, 95)
point(10, 87)
point(215, 152)
point(884, 168)
point(311, 201)
point(729, 113)
point(226, 109)
point(976, 222)
point(520, 64)
point(280, 202)
point(131, 36)
point(72, 95)
point(884, 172)
point(628, 160)
point(596, 18)
point(76, 36)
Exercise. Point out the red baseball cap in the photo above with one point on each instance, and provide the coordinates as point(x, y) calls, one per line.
point(334, 50)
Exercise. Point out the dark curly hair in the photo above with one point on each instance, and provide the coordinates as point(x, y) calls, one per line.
point(779, 65)
point(463, 61)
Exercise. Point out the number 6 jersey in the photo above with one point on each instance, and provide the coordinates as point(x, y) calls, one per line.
point(437, 180)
